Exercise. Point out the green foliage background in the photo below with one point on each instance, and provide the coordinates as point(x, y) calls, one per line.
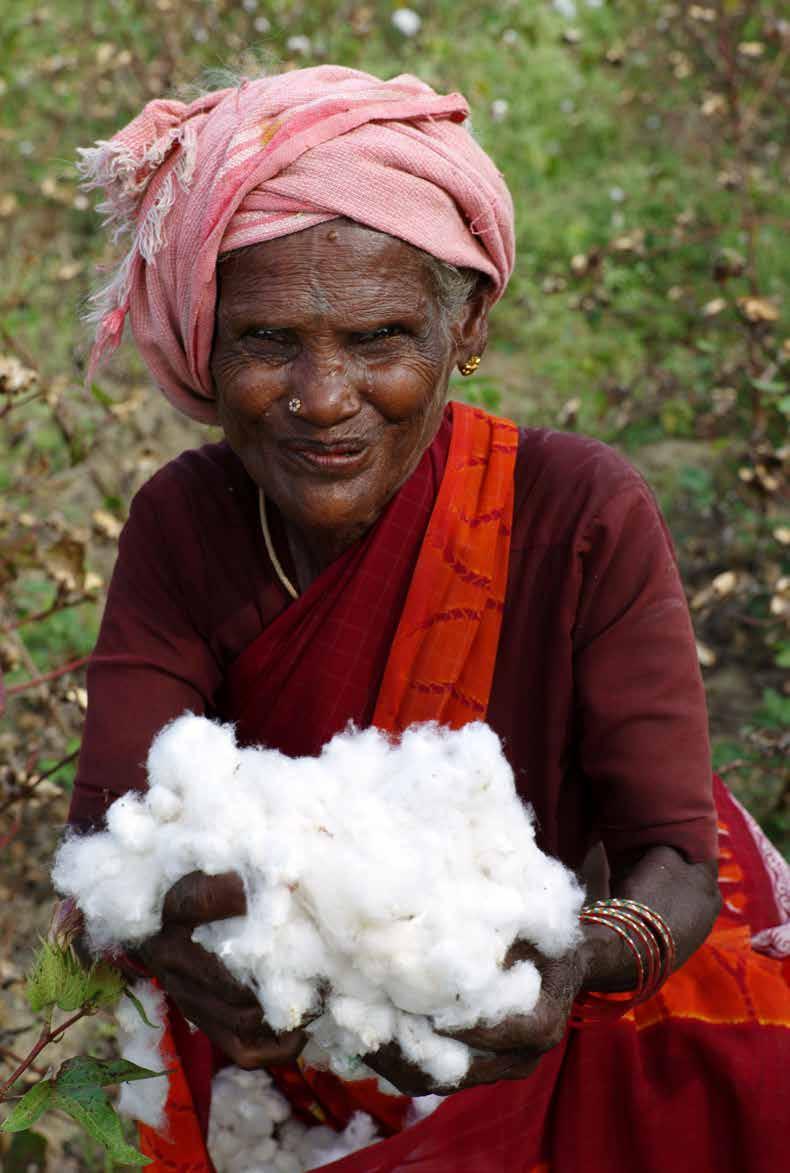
point(645, 144)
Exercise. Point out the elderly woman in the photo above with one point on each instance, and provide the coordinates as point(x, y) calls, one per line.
point(312, 255)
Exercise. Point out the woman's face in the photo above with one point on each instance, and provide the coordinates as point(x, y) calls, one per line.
point(345, 320)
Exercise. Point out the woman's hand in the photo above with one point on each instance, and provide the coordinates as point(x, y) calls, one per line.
point(685, 894)
point(514, 1046)
point(200, 985)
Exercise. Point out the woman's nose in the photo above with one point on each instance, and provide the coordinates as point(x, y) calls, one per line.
point(326, 391)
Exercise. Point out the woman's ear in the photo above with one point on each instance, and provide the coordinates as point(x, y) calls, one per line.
point(470, 330)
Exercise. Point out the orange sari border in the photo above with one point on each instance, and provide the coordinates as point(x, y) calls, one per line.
point(442, 660)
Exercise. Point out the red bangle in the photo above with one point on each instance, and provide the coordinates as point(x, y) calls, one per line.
point(657, 924)
point(650, 941)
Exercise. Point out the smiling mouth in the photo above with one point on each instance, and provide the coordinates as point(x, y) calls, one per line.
point(339, 456)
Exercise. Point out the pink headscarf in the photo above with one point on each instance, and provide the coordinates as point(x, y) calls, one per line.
point(268, 158)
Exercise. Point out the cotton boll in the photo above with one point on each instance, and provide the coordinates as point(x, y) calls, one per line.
point(265, 1150)
point(251, 1129)
point(421, 1107)
point(286, 1163)
point(373, 1025)
point(358, 1134)
point(445, 1060)
point(225, 938)
point(117, 892)
point(132, 824)
point(464, 965)
point(554, 928)
point(332, 1047)
point(300, 942)
point(143, 1099)
point(244, 1109)
point(286, 1000)
point(513, 991)
point(385, 880)
point(164, 804)
point(193, 754)
point(291, 1133)
point(279, 1109)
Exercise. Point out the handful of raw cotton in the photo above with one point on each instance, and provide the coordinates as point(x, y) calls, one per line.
point(385, 882)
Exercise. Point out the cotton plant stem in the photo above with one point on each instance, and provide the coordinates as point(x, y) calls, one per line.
point(72, 666)
point(12, 1057)
point(25, 791)
point(57, 606)
point(46, 1037)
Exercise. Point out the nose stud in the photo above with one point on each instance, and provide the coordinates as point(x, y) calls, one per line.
point(295, 405)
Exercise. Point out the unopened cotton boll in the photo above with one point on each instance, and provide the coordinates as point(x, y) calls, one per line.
point(385, 879)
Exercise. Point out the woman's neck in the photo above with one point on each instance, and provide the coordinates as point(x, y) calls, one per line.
point(313, 552)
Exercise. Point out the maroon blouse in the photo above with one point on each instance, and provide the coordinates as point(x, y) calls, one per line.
point(597, 694)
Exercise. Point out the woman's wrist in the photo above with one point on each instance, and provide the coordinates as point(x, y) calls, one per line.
point(609, 966)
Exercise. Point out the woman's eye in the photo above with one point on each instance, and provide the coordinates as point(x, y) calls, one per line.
point(380, 334)
point(261, 334)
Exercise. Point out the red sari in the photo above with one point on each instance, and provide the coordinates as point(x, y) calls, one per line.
point(691, 1079)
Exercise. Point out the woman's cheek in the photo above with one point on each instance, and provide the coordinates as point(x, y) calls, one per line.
point(246, 399)
point(410, 389)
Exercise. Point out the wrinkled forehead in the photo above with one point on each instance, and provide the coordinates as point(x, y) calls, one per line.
point(336, 265)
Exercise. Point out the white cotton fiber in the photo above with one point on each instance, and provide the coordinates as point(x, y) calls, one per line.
point(143, 1099)
point(385, 881)
point(251, 1130)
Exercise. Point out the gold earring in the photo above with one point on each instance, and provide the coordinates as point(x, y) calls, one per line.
point(471, 365)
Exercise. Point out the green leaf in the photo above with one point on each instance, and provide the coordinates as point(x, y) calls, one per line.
point(84, 1071)
point(101, 396)
point(775, 709)
point(783, 656)
point(725, 752)
point(89, 1106)
point(32, 1105)
point(28, 1154)
point(135, 1001)
point(770, 386)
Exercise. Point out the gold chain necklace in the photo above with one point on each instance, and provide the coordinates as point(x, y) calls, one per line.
point(275, 561)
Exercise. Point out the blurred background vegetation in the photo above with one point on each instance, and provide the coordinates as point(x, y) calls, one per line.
point(645, 144)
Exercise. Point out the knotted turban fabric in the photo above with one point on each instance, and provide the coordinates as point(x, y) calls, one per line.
point(267, 158)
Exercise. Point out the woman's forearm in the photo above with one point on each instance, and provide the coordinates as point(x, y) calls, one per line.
point(686, 895)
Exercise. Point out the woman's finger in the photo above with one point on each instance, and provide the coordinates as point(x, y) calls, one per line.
point(532, 1033)
point(390, 1063)
point(197, 899)
point(412, 1081)
point(511, 1035)
point(245, 1022)
point(173, 952)
point(545, 1025)
point(491, 1069)
point(245, 1051)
